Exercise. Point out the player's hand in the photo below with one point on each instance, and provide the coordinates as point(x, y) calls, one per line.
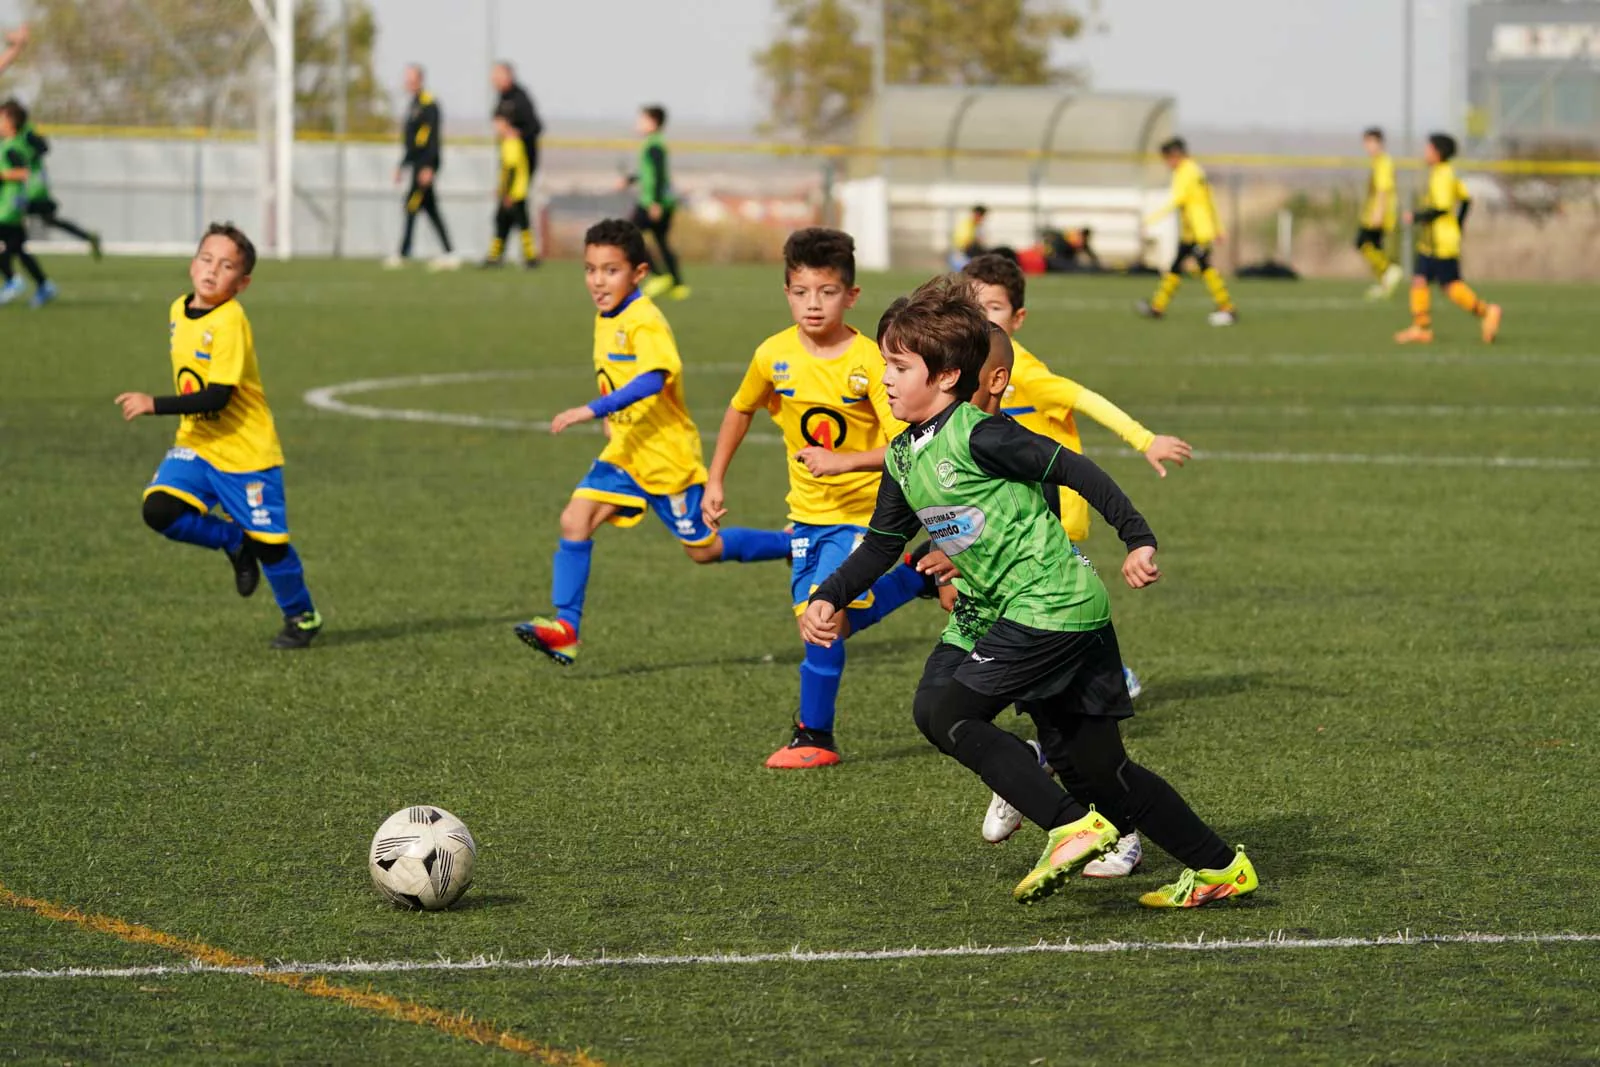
point(425, 177)
point(136, 404)
point(399, 175)
point(948, 597)
point(1220, 239)
point(713, 506)
point(570, 417)
point(654, 212)
point(937, 564)
point(819, 624)
point(622, 182)
point(821, 462)
point(1167, 449)
point(1409, 218)
point(17, 37)
point(1139, 569)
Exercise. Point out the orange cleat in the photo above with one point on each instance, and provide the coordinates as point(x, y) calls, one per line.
point(1491, 323)
point(554, 637)
point(1414, 335)
point(808, 748)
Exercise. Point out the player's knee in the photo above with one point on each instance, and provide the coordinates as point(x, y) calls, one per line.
point(576, 520)
point(710, 552)
point(270, 554)
point(161, 510)
point(922, 712)
point(945, 716)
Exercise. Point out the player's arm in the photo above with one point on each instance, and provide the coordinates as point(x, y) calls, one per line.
point(1438, 202)
point(1175, 201)
point(1463, 202)
point(1156, 448)
point(37, 144)
point(207, 401)
point(1383, 190)
point(641, 387)
point(893, 524)
point(1003, 449)
point(821, 462)
point(753, 394)
point(422, 148)
point(16, 41)
point(16, 166)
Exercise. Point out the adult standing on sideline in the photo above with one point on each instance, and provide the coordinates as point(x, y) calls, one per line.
point(517, 106)
point(423, 139)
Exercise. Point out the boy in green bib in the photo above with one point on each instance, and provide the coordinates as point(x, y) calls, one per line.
point(1032, 622)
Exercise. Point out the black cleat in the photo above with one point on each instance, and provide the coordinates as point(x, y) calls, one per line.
point(246, 568)
point(531, 264)
point(298, 630)
point(1146, 311)
point(490, 264)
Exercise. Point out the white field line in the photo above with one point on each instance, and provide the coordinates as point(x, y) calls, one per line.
point(1272, 942)
point(331, 398)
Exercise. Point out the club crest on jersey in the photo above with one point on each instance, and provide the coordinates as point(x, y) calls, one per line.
point(254, 494)
point(946, 472)
point(622, 339)
point(858, 381)
point(680, 505)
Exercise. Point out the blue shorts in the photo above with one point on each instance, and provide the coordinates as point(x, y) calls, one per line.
point(253, 499)
point(678, 512)
point(1440, 272)
point(816, 553)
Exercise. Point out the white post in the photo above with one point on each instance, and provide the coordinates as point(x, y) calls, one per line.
point(283, 74)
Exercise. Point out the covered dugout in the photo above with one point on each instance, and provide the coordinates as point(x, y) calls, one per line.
point(1044, 156)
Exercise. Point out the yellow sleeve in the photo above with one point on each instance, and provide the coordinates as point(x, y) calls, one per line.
point(1114, 419)
point(755, 391)
point(1441, 190)
point(878, 396)
point(655, 349)
point(227, 351)
point(1174, 202)
point(1047, 392)
point(1462, 195)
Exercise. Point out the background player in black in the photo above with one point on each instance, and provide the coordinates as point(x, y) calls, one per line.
point(423, 139)
point(517, 106)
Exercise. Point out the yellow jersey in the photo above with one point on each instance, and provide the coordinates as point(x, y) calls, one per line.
point(838, 404)
point(1445, 194)
point(1380, 186)
point(654, 440)
point(966, 234)
point(1044, 402)
point(514, 171)
point(1191, 198)
point(216, 347)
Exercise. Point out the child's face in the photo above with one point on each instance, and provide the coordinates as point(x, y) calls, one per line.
point(7, 127)
point(996, 304)
point(818, 299)
point(644, 124)
point(217, 270)
point(912, 396)
point(995, 376)
point(1172, 159)
point(1373, 145)
point(609, 275)
point(1430, 155)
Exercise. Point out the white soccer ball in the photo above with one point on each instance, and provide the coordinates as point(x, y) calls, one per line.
point(422, 857)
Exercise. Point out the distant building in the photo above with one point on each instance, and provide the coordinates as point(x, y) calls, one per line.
point(1533, 71)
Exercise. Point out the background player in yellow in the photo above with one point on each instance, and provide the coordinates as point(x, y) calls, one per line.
point(1379, 210)
point(227, 452)
point(822, 382)
point(1438, 222)
point(511, 194)
point(1198, 231)
point(652, 458)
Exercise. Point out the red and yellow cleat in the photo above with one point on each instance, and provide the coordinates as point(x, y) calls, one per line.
point(808, 748)
point(1194, 888)
point(1491, 323)
point(554, 637)
point(1414, 335)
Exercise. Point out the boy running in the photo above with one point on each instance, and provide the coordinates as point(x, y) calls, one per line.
point(227, 452)
point(822, 381)
point(1199, 231)
point(652, 458)
point(1378, 213)
point(1445, 204)
point(1033, 622)
point(16, 167)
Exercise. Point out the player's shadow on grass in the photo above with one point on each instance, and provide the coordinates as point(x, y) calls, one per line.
point(1164, 691)
point(390, 631)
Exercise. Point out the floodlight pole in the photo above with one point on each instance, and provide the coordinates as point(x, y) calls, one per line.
point(1409, 105)
point(880, 81)
point(341, 127)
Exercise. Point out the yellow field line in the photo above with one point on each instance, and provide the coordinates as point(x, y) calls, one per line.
point(455, 1024)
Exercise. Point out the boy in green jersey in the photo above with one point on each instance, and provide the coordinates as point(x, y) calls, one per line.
point(16, 164)
point(657, 202)
point(1033, 621)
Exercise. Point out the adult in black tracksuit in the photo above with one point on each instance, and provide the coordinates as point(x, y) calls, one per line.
point(423, 140)
point(517, 106)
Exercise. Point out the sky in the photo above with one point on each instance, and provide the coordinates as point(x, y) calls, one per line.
point(1286, 65)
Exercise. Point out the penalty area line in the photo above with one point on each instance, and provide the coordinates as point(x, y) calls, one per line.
point(1276, 942)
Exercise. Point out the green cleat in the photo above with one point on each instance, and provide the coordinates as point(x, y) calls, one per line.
point(1194, 888)
point(1067, 850)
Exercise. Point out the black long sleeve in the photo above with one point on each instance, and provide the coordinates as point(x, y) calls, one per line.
point(208, 401)
point(1461, 212)
point(1004, 449)
point(517, 105)
point(1423, 216)
point(893, 524)
point(422, 134)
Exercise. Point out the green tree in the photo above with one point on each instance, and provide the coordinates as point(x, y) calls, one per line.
point(180, 63)
point(818, 70)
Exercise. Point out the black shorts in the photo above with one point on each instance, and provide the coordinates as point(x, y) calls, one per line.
point(1366, 235)
point(513, 217)
point(1440, 272)
point(1200, 253)
point(44, 208)
point(1043, 671)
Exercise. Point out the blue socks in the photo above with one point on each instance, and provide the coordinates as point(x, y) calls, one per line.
point(819, 685)
point(288, 580)
point(569, 580)
point(195, 528)
point(740, 544)
point(889, 593)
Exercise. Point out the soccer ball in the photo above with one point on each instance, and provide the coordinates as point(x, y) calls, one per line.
point(422, 857)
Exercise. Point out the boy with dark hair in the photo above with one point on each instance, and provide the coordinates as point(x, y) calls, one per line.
point(1445, 203)
point(656, 202)
point(968, 239)
point(511, 195)
point(651, 460)
point(227, 452)
point(423, 139)
point(822, 382)
point(1198, 230)
point(1378, 214)
point(1033, 622)
point(16, 167)
point(41, 204)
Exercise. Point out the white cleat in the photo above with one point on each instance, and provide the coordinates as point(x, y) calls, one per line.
point(445, 262)
point(1392, 279)
point(1120, 861)
point(1135, 687)
point(393, 262)
point(1221, 318)
point(1377, 291)
point(1002, 820)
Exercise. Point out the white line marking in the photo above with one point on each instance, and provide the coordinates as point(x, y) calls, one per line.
point(796, 955)
point(1392, 411)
